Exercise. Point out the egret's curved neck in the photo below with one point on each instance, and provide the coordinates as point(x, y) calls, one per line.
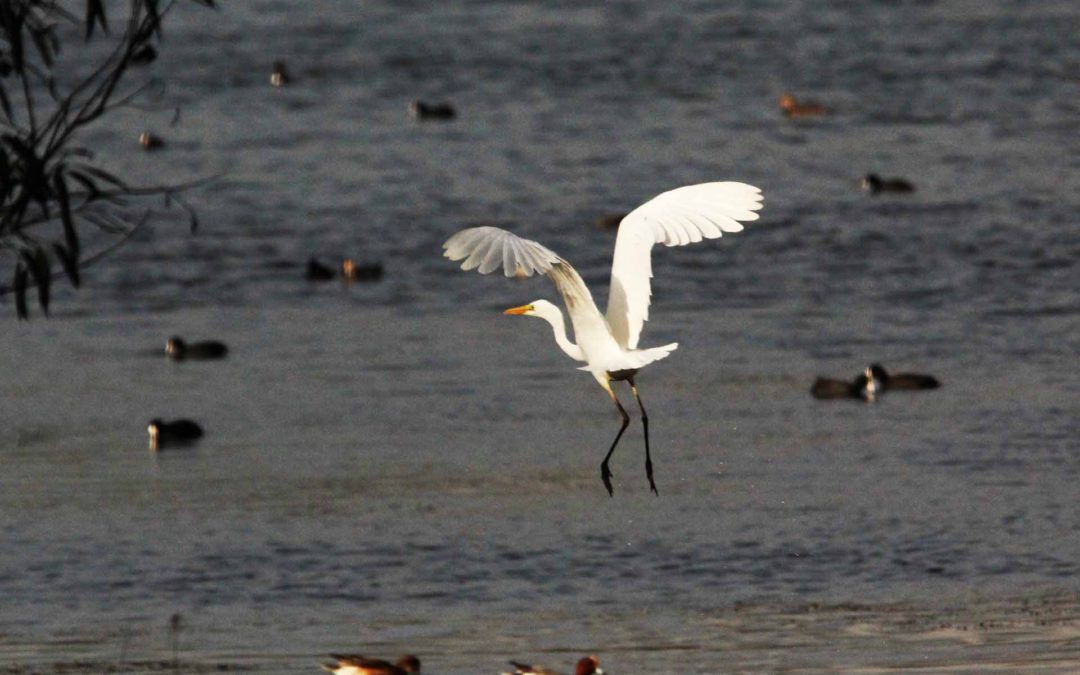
point(558, 326)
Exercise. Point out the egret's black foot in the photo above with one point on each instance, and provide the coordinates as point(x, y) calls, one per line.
point(605, 475)
point(648, 472)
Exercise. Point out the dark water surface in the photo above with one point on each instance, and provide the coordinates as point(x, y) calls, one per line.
point(398, 467)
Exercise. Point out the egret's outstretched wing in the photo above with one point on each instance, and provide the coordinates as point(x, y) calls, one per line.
point(675, 218)
point(488, 248)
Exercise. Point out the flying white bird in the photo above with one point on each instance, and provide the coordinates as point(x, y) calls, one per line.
point(608, 344)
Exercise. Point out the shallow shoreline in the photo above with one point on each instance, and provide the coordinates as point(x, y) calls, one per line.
point(1036, 633)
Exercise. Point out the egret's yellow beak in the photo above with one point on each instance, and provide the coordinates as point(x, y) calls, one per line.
point(524, 309)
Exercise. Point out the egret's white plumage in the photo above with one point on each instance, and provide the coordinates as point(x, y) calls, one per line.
point(608, 343)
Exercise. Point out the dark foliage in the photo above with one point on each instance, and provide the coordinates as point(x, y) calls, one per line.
point(51, 189)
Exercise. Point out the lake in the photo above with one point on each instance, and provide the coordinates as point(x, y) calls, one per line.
point(396, 466)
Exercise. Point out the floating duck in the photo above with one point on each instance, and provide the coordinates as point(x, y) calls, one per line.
point(149, 141)
point(177, 432)
point(792, 108)
point(873, 382)
point(316, 271)
point(590, 665)
point(178, 350)
point(279, 77)
point(355, 664)
point(353, 272)
point(875, 184)
point(432, 111)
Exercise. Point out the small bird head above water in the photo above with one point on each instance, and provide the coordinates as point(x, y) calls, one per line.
point(175, 347)
point(871, 384)
point(877, 372)
point(279, 77)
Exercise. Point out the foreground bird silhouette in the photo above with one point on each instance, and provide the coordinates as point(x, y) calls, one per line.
point(608, 344)
point(590, 665)
point(355, 664)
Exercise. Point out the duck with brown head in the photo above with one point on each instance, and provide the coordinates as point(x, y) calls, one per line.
point(589, 665)
point(792, 108)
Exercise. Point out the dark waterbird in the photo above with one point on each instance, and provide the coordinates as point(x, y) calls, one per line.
point(178, 350)
point(355, 664)
point(871, 383)
point(279, 76)
point(316, 271)
point(422, 110)
point(875, 184)
point(150, 141)
point(356, 272)
point(792, 108)
point(590, 665)
point(176, 433)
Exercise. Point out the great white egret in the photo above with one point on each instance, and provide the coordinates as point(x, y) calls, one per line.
point(608, 344)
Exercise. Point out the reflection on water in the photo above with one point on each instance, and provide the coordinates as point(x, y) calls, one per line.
point(395, 466)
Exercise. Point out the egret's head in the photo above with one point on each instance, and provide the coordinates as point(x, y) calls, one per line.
point(535, 308)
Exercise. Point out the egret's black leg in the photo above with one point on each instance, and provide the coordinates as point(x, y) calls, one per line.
point(605, 472)
point(644, 423)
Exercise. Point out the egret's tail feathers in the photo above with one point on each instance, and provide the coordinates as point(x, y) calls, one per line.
point(647, 356)
point(632, 360)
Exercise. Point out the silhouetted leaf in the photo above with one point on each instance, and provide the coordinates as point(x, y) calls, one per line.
point(44, 45)
point(154, 16)
point(69, 262)
point(70, 236)
point(95, 13)
point(5, 103)
point(19, 284)
point(14, 21)
point(143, 55)
point(38, 264)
